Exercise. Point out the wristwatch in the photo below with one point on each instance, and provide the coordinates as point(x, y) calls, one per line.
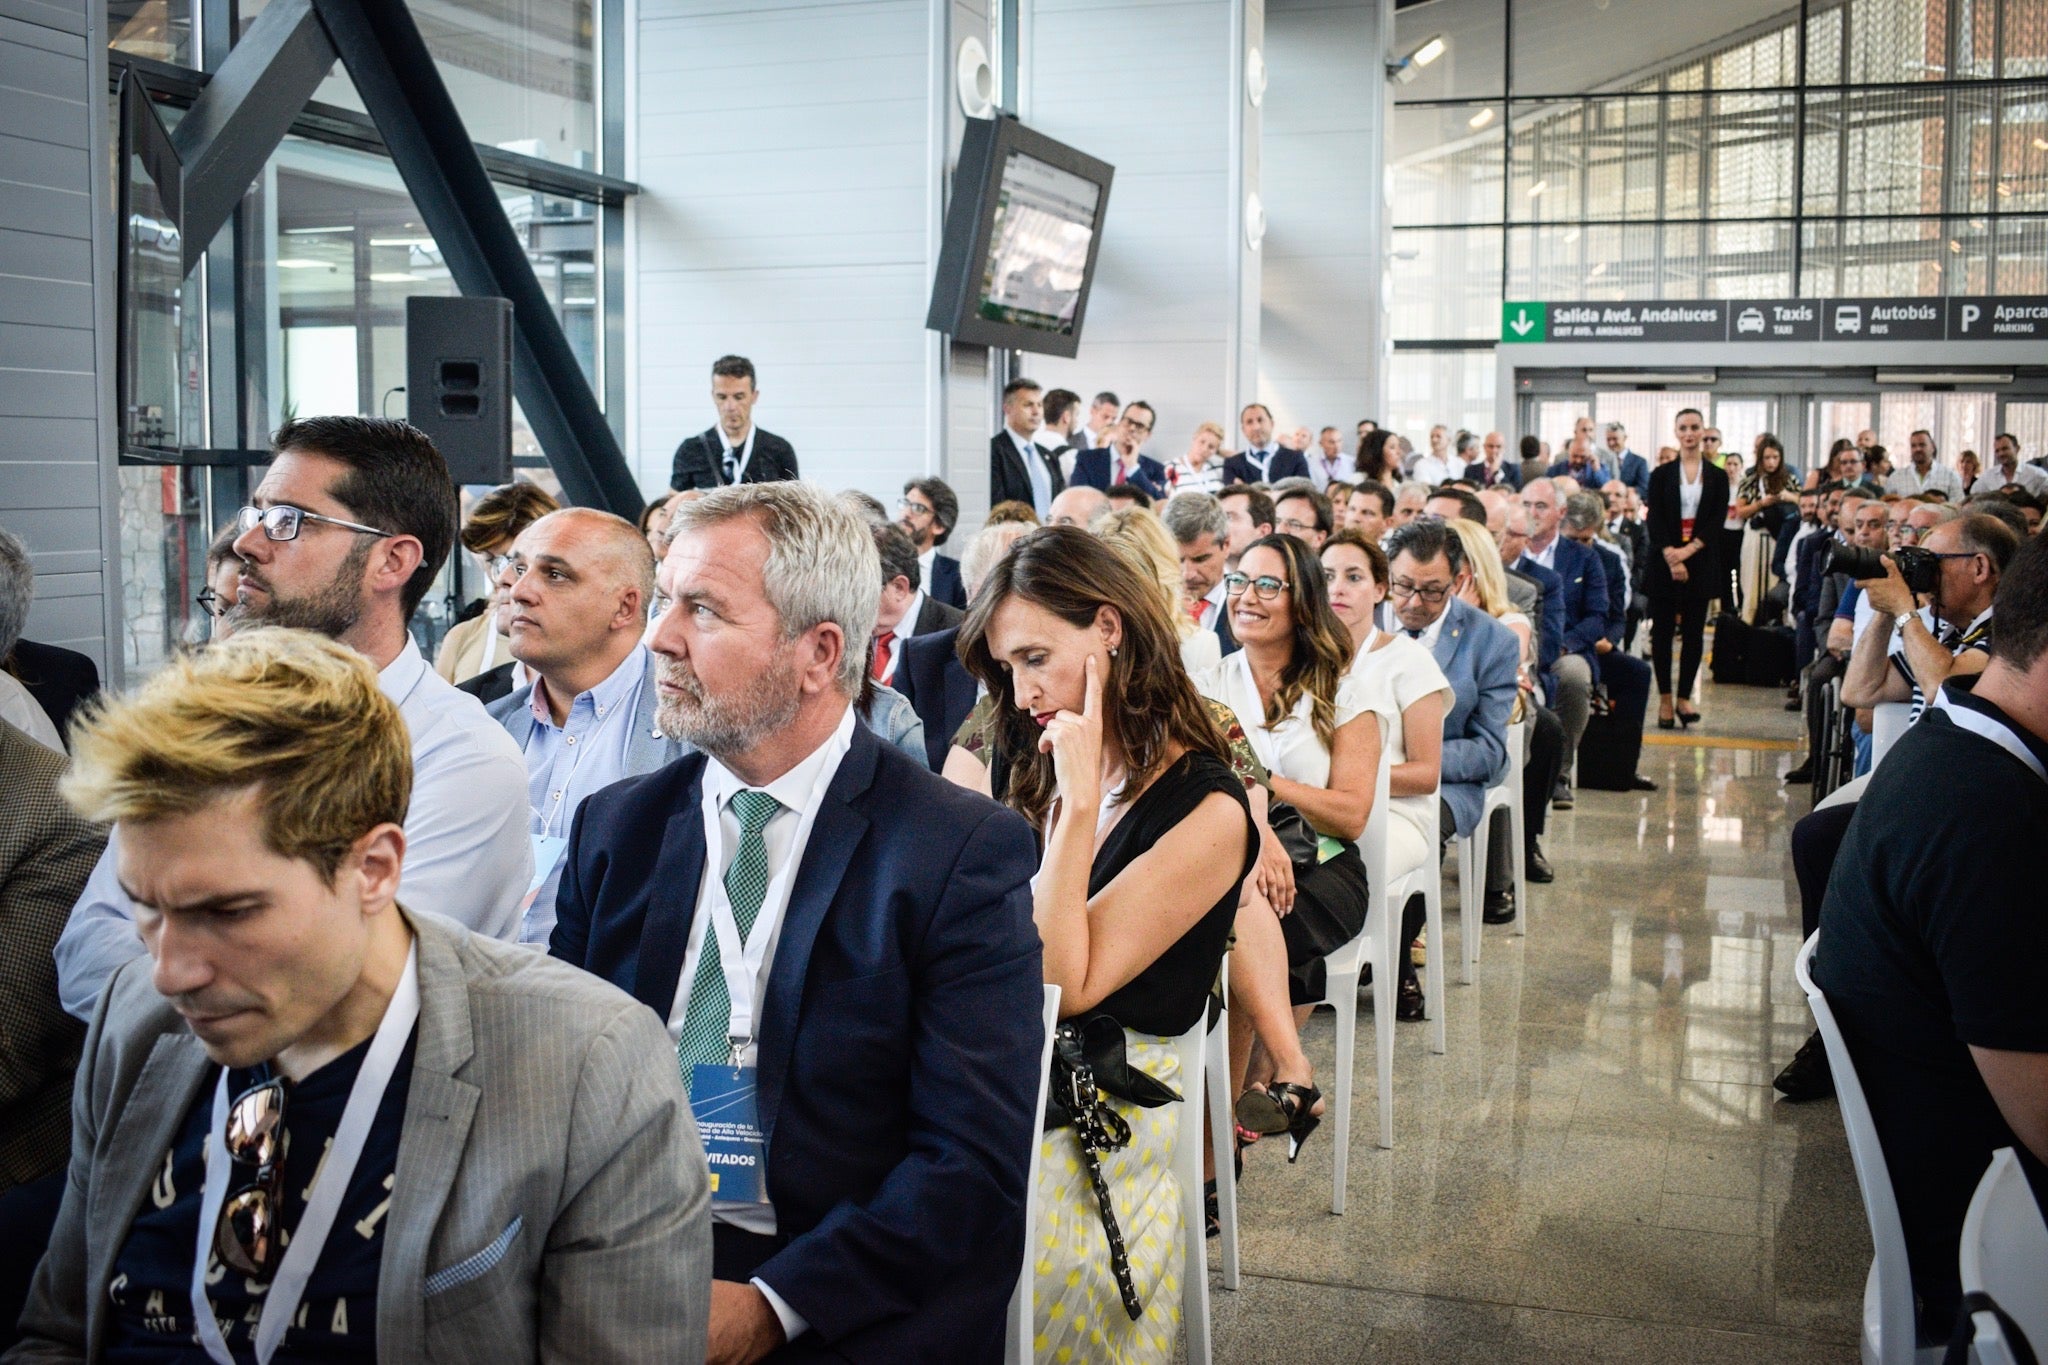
point(1900, 618)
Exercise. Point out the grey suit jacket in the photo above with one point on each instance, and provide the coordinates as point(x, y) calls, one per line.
point(646, 749)
point(552, 1202)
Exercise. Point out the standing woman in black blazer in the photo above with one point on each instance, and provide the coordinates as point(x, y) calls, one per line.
point(1688, 502)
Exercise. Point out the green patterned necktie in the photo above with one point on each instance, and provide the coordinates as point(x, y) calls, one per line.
point(709, 1012)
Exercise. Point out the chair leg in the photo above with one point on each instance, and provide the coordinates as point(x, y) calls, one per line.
point(1472, 897)
point(1343, 992)
point(1433, 967)
point(1223, 1135)
point(1383, 1043)
point(1520, 857)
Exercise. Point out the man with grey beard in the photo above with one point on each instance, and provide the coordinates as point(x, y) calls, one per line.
point(841, 943)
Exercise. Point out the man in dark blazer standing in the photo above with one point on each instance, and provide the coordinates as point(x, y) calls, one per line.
point(851, 932)
point(1120, 461)
point(929, 510)
point(1263, 459)
point(734, 451)
point(1018, 469)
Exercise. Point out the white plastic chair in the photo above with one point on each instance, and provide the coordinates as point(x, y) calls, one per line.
point(1017, 1346)
point(1506, 795)
point(1187, 1168)
point(1223, 1136)
point(1427, 880)
point(1888, 1325)
point(1375, 946)
point(2005, 1255)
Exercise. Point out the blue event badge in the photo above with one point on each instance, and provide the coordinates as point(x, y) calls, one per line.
point(547, 856)
point(729, 1123)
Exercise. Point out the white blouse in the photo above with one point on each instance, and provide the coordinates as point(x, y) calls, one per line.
point(1689, 495)
point(1290, 749)
point(1391, 679)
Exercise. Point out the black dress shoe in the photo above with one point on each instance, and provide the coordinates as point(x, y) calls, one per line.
point(1639, 783)
point(1536, 867)
point(1800, 775)
point(1500, 907)
point(1794, 704)
point(1408, 1006)
point(1807, 1076)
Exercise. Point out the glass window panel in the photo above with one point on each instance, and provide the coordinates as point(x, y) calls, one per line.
point(1860, 258)
point(2014, 259)
point(1748, 147)
point(163, 539)
point(2028, 424)
point(1876, 152)
point(1836, 420)
point(1475, 36)
point(1446, 165)
point(1824, 26)
point(1557, 419)
point(1896, 40)
point(1651, 157)
point(1957, 421)
point(158, 29)
point(2024, 40)
point(1648, 416)
point(1427, 387)
point(2021, 169)
point(521, 72)
point(1446, 284)
point(1740, 421)
point(1564, 47)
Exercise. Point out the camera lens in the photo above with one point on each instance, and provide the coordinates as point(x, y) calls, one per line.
point(1854, 561)
point(1920, 568)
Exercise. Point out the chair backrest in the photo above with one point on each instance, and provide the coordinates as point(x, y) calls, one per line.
point(1887, 722)
point(1017, 1344)
point(1187, 1167)
point(1380, 922)
point(1895, 1328)
point(2005, 1255)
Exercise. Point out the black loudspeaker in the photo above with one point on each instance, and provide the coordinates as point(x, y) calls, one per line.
point(458, 382)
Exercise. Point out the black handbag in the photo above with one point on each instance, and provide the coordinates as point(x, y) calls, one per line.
point(1296, 835)
point(1088, 1062)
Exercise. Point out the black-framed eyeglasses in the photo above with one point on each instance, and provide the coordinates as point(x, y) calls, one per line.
point(246, 1237)
point(1265, 587)
point(1142, 428)
point(1432, 593)
point(281, 521)
point(211, 602)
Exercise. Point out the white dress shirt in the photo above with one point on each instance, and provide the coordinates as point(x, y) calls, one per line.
point(2034, 480)
point(1547, 556)
point(467, 853)
point(801, 791)
point(1035, 470)
point(19, 708)
point(1212, 605)
point(1430, 471)
point(1323, 471)
point(1907, 481)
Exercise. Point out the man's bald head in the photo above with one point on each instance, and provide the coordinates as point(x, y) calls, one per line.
point(613, 543)
point(579, 582)
point(1079, 505)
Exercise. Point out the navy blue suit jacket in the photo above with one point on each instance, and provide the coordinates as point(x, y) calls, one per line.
point(1097, 469)
point(1287, 463)
point(1635, 472)
point(1617, 589)
point(938, 687)
point(1585, 595)
point(1550, 629)
point(1479, 656)
point(899, 1039)
point(946, 584)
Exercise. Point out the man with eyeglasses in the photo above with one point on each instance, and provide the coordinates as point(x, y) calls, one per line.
point(1912, 647)
point(347, 531)
point(1122, 460)
point(1303, 513)
point(320, 1121)
point(929, 510)
point(1479, 655)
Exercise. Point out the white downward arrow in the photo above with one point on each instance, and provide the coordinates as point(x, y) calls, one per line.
point(1522, 323)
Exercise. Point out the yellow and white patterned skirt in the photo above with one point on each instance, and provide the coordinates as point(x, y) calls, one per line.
point(1078, 1314)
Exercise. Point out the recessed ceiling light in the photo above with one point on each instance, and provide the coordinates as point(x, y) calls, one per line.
point(1429, 51)
point(2004, 190)
point(1538, 188)
point(2041, 144)
point(393, 276)
point(1572, 236)
point(1480, 119)
point(301, 263)
point(426, 242)
point(1955, 246)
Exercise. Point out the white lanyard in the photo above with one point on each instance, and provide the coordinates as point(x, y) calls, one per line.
point(330, 1183)
point(741, 455)
point(1263, 459)
point(1977, 723)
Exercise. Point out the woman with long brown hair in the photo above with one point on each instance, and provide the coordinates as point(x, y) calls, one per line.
point(1766, 497)
point(1112, 754)
point(1312, 726)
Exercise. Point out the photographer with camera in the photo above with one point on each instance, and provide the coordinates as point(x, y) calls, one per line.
point(1908, 651)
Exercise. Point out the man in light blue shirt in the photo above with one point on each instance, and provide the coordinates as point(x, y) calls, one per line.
point(579, 582)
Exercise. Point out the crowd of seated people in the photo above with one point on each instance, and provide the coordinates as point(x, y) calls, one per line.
point(734, 1025)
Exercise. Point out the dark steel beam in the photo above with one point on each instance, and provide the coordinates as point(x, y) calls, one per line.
point(395, 74)
point(238, 120)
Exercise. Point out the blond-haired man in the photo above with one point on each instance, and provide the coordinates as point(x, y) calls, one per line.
point(248, 1102)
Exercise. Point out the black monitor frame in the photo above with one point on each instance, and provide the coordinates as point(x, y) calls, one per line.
point(970, 220)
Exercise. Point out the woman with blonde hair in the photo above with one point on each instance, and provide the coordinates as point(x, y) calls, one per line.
point(1486, 587)
point(1201, 469)
point(1140, 536)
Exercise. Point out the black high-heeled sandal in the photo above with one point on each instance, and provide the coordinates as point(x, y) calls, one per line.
point(1285, 1108)
point(1689, 718)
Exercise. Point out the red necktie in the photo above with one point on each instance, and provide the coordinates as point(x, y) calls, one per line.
point(1195, 609)
point(880, 667)
point(1122, 472)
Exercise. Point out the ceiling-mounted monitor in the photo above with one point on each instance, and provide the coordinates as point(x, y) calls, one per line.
point(1022, 232)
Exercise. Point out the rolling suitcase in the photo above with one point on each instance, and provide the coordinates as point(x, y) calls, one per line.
point(1769, 661)
point(1730, 662)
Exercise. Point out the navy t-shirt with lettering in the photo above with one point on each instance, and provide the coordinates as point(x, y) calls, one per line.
point(151, 1289)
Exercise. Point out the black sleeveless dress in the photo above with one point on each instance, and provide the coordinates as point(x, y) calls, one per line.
point(1167, 997)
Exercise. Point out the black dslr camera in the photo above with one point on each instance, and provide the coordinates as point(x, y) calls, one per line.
point(1920, 568)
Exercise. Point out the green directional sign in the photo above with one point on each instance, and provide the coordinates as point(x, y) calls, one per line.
point(1523, 321)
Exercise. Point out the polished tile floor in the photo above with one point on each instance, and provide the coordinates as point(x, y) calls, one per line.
point(1597, 1169)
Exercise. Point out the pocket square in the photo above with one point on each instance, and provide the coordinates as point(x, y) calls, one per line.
point(476, 1266)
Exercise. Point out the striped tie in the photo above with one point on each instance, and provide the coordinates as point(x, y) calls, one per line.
point(709, 1013)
